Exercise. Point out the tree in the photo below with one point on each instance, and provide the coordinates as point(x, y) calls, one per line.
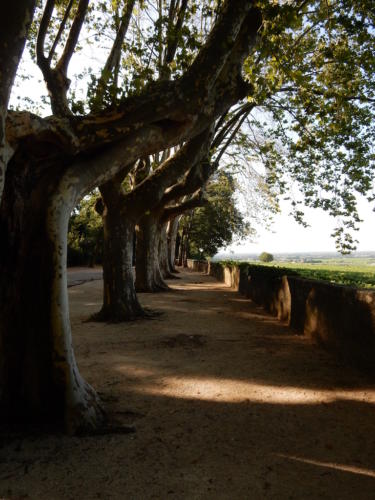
point(266, 257)
point(144, 205)
point(216, 224)
point(85, 233)
point(59, 159)
point(319, 96)
point(13, 31)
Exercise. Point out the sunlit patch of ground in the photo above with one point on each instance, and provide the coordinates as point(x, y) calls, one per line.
point(227, 403)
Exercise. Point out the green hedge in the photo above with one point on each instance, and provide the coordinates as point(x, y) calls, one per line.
point(354, 279)
point(258, 269)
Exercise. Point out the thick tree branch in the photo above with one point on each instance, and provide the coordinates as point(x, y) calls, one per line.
point(153, 187)
point(197, 200)
point(73, 36)
point(43, 28)
point(14, 25)
point(199, 174)
point(114, 56)
point(196, 178)
point(173, 36)
point(211, 60)
point(169, 106)
point(56, 78)
point(61, 30)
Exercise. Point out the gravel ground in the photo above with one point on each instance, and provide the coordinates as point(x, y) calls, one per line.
point(225, 401)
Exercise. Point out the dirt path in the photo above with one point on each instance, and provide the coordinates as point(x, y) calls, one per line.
point(226, 402)
point(80, 275)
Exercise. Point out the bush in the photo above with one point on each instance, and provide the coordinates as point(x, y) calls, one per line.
point(266, 257)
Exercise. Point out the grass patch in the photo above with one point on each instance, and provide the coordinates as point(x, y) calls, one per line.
point(359, 275)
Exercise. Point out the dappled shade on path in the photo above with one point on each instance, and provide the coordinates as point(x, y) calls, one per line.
point(227, 403)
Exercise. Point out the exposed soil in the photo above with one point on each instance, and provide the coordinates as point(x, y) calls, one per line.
point(225, 401)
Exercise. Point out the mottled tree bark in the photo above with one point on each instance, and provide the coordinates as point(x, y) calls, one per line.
point(14, 24)
point(172, 241)
point(148, 275)
point(120, 302)
point(142, 205)
point(163, 252)
point(181, 249)
point(39, 379)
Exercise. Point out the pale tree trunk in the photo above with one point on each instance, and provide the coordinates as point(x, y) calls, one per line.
point(181, 249)
point(185, 252)
point(172, 239)
point(148, 276)
point(164, 263)
point(120, 302)
point(163, 251)
point(144, 260)
point(39, 379)
point(14, 23)
point(158, 272)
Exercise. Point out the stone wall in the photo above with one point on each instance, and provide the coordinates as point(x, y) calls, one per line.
point(200, 266)
point(340, 318)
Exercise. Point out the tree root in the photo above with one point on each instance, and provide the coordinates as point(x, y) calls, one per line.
point(121, 315)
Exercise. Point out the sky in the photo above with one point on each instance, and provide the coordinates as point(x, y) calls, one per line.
point(287, 235)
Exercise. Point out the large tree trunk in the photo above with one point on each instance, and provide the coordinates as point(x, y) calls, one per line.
point(120, 302)
point(185, 250)
point(39, 379)
point(14, 24)
point(172, 241)
point(158, 271)
point(148, 276)
point(181, 249)
point(164, 263)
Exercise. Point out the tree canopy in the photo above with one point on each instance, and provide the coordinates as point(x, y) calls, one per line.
point(218, 223)
point(311, 96)
point(317, 88)
point(85, 233)
point(266, 257)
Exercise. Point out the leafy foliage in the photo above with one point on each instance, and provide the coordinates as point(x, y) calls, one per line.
point(85, 235)
point(266, 257)
point(359, 276)
point(218, 223)
point(312, 89)
point(315, 82)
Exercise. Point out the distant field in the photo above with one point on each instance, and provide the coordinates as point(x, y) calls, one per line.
point(354, 272)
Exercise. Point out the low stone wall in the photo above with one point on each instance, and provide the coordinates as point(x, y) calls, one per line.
point(340, 318)
point(200, 266)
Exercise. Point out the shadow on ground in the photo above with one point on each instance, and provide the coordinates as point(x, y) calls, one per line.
point(227, 404)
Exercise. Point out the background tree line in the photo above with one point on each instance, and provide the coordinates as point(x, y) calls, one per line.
point(201, 232)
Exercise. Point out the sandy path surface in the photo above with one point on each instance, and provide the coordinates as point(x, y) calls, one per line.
point(80, 275)
point(226, 402)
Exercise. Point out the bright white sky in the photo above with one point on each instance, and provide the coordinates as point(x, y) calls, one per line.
point(288, 236)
